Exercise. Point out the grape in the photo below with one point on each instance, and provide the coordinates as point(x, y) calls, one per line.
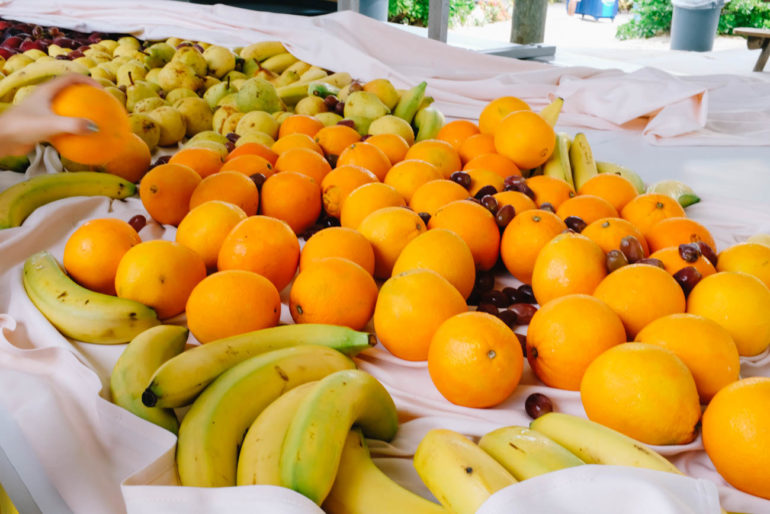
point(258, 179)
point(331, 102)
point(95, 37)
point(66, 42)
point(484, 191)
point(615, 260)
point(707, 252)
point(485, 281)
point(330, 221)
point(689, 252)
point(504, 215)
point(137, 222)
point(513, 295)
point(524, 312)
point(232, 137)
point(332, 159)
point(508, 317)
point(347, 123)
point(547, 206)
point(687, 277)
point(339, 108)
point(424, 216)
point(496, 298)
point(537, 404)
point(526, 294)
point(511, 180)
point(13, 42)
point(7, 52)
point(487, 307)
point(575, 223)
point(490, 202)
point(632, 249)
point(461, 178)
point(652, 262)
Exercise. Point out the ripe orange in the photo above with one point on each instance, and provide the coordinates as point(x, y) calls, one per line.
point(389, 230)
point(294, 141)
point(475, 360)
point(204, 161)
point(476, 145)
point(439, 153)
point(335, 138)
point(617, 190)
point(433, 195)
point(519, 201)
point(160, 274)
point(93, 251)
point(410, 308)
point(457, 131)
point(264, 245)
point(305, 161)
point(524, 237)
point(646, 210)
point(494, 112)
point(481, 178)
point(550, 190)
point(588, 208)
point(254, 148)
point(366, 199)
point(292, 197)
point(408, 175)
point(644, 391)
point(132, 162)
point(339, 183)
point(640, 294)
point(736, 425)
point(751, 258)
point(703, 345)
point(367, 156)
point(334, 291)
point(338, 242)
point(495, 162)
point(676, 231)
point(475, 225)
point(392, 145)
point(608, 232)
point(567, 334)
point(249, 164)
point(166, 191)
point(525, 138)
point(232, 302)
point(227, 186)
point(206, 226)
point(299, 123)
point(673, 261)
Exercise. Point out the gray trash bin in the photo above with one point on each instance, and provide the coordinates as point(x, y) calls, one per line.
point(694, 24)
point(377, 9)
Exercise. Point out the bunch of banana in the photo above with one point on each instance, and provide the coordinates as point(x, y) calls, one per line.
point(36, 72)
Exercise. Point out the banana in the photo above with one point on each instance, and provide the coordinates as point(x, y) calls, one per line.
point(677, 190)
point(79, 313)
point(339, 79)
point(260, 455)
point(582, 160)
point(285, 78)
point(596, 444)
point(214, 427)
point(550, 112)
point(298, 67)
point(295, 92)
point(178, 381)
point(631, 175)
point(428, 122)
point(312, 73)
point(262, 50)
point(526, 453)
point(558, 164)
point(322, 89)
point(18, 201)
point(313, 444)
point(410, 101)
point(460, 475)
point(136, 365)
point(35, 73)
point(361, 488)
point(278, 63)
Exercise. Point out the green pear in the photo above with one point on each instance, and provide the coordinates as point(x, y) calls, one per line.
point(233, 75)
point(250, 67)
point(328, 118)
point(108, 44)
point(173, 96)
point(231, 99)
point(209, 81)
point(362, 104)
point(213, 145)
point(146, 128)
point(102, 71)
point(85, 61)
point(220, 60)
point(103, 82)
point(147, 105)
point(152, 76)
point(124, 51)
point(190, 56)
point(391, 124)
point(178, 74)
point(130, 41)
point(310, 105)
point(171, 123)
point(362, 123)
point(98, 53)
point(231, 123)
point(196, 113)
point(237, 83)
point(209, 135)
point(257, 120)
point(385, 91)
point(218, 91)
point(158, 54)
point(280, 116)
point(255, 136)
point(119, 95)
point(257, 94)
point(137, 92)
point(129, 73)
point(220, 115)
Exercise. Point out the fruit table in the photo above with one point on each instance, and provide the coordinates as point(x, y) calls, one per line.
point(711, 132)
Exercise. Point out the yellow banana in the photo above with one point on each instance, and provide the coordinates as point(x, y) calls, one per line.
point(35, 73)
point(298, 67)
point(278, 63)
point(262, 50)
point(582, 160)
point(550, 112)
point(410, 102)
point(558, 164)
point(428, 121)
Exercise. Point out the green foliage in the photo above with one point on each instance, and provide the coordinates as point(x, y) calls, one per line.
point(744, 13)
point(415, 12)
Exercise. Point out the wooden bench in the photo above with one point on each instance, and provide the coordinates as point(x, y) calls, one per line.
point(756, 38)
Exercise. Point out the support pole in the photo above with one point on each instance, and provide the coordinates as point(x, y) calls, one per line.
point(528, 24)
point(438, 19)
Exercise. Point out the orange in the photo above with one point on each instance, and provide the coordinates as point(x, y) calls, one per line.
point(367, 156)
point(525, 138)
point(296, 140)
point(481, 178)
point(568, 264)
point(93, 251)
point(264, 245)
point(304, 161)
point(334, 291)
point(740, 303)
point(335, 138)
point(646, 210)
point(567, 334)
point(475, 360)
point(588, 208)
point(608, 232)
point(339, 183)
point(232, 302)
point(676, 231)
point(366, 199)
point(338, 242)
point(160, 274)
point(410, 308)
point(457, 131)
point(519, 201)
point(640, 294)
point(132, 162)
point(524, 237)
point(673, 262)
point(644, 391)
point(736, 435)
point(408, 175)
point(444, 252)
point(705, 347)
point(389, 230)
point(439, 153)
point(617, 190)
point(751, 258)
point(433, 195)
point(476, 145)
point(392, 145)
point(206, 226)
point(292, 197)
point(254, 148)
point(299, 123)
point(495, 162)
point(102, 109)
point(204, 161)
point(227, 186)
point(475, 225)
point(550, 190)
point(249, 165)
point(166, 190)
point(494, 112)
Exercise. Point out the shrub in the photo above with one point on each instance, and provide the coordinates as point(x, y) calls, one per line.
point(415, 12)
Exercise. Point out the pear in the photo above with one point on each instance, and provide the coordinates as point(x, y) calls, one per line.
point(130, 41)
point(102, 71)
point(97, 54)
point(190, 56)
point(171, 123)
point(178, 74)
point(103, 82)
point(209, 81)
point(385, 91)
point(231, 99)
point(16, 62)
point(35, 54)
point(310, 105)
point(257, 94)
point(129, 73)
point(220, 60)
point(108, 44)
point(56, 50)
point(237, 83)
point(146, 128)
point(124, 50)
point(147, 105)
point(174, 41)
point(328, 118)
point(113, 66)
point(233, 75)
point(220, 115)
point(218, 91)
point(138, 91)
point(361, 123)
point(250, 67)
point(118, 93)
point(257, 121)
point(158, 54)
point(152, 76)
point(362, 104)
point(196, 113)
point(24, 92)
point(231, 123)
point(280, 116)
point(173, 96)
point(390, 124)
point(85, 61)
point(209, 135)
point(120, 60)
point(213, 145)
point(255, 136)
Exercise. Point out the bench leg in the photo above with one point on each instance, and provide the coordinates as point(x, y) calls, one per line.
point(762, 60)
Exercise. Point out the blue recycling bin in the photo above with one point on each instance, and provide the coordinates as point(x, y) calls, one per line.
point(597, 8)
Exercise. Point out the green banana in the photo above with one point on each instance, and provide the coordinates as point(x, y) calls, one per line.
point(262, 50)
point(17, 163)
point(460, 475)
point(428, 121)
point(313, 444)
point(214, 427)
point(35, 73)
point(136, 365)
point(260, 455)
point(550, 112)
point(526, 453)
point(558, 164)
point(322, 89)
point(178, 381)
point(410, 101)
point(582, 160)
point(79, 313)
point(361, 488)
point(18, 201)
point(616, 169)
point(278, 63)
point(295, 92)
point(596, 444)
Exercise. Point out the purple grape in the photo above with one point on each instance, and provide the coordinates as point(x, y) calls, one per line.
point(537, 404)
point(687, 278)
